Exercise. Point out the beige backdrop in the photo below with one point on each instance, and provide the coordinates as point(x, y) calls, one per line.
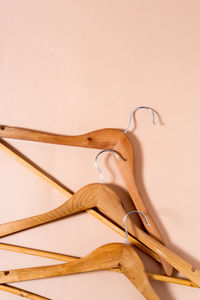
point(75, 66)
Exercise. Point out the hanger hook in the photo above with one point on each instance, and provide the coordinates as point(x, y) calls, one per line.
point(124, 222)
point(96, 161)
point(134, 111)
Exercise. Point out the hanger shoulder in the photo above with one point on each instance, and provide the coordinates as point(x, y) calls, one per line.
point(82, 200)
point(100, 139)
point(103, 258)
point(90, 196)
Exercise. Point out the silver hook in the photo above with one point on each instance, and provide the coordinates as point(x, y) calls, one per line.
point(96, 163)
point(134, 111)
point(124, 220)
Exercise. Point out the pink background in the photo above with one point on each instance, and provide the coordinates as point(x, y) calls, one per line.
point(75, 66)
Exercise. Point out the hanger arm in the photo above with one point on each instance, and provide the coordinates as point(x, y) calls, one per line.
point(82, 200)
point(99, 139)
point(102, 258)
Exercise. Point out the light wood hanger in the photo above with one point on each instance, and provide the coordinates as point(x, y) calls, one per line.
point(93, 195)
point(68, 258)
point(114, 139)
point(105, 257)
point(109, 203)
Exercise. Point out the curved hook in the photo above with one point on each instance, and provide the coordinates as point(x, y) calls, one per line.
point(96, 163)
point(124, 220)
point(134, 111)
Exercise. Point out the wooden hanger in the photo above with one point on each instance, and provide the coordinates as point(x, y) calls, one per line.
point(94, 195)
point(107, 201)
point(114, 139)
point(105, 257)
point(68, 258)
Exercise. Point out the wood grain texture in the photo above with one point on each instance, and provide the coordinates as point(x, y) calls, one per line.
point(114, 139)
point(105, 257)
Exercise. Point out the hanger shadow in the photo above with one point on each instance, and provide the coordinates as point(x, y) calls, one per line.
point(140, 182)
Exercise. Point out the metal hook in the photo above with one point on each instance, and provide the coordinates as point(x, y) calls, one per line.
point(124, 220)
point(134, 111)
point(96, 163)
